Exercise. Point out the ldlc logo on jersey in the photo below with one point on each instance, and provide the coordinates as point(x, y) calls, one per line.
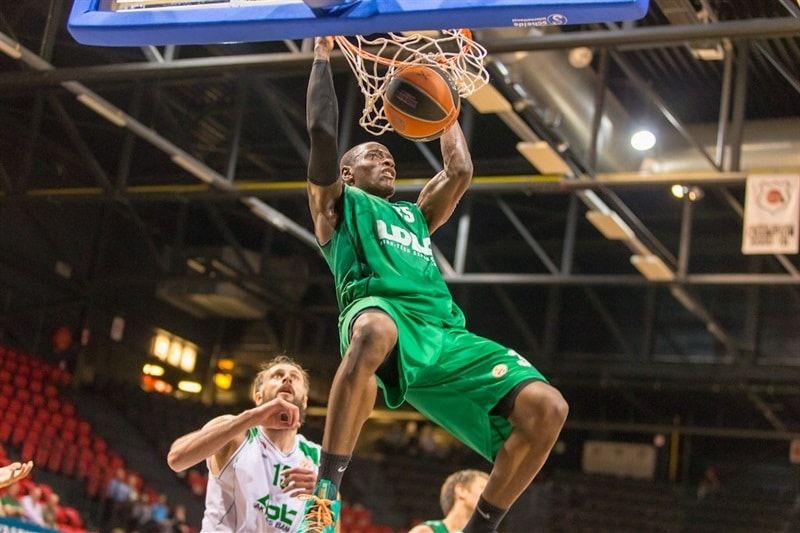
point(403, 239)
point(278, 516)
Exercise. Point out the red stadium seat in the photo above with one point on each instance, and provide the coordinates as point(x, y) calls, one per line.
point(29, 449)
point(74, 517)
point(42, 453)
point(67, 409)
point(70, 425)
point(5, 431)
point(15, 406)
point(20, 382)
point(56, 457)
point(37, 401)
point(99, 445)
point(36, 386)
point(53, 405)
point(70, 460)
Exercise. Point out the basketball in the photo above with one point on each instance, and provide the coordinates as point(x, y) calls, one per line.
point(420, 102)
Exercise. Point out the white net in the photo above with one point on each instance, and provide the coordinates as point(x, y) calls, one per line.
point(375, 60)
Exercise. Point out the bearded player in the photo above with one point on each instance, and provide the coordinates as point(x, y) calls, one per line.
point(258, 463)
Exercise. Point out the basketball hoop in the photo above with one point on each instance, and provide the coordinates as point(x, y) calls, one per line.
point(374, 61)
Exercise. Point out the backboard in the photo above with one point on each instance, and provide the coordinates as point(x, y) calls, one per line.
point(161, 22)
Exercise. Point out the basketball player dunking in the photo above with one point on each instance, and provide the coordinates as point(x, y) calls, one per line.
point(399, 327)
point(258, 463)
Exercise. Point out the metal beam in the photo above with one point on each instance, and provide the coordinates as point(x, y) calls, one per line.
point(609, 321)
point(780, 67)
point(726, 91)
point(728, 433)
point(230, 238)
point(617, 280)
point(656, 99)
point(511, 309)
point(104, 181)
point(599, 107)
point(238, 118)
point(527, 237)
point(180, 157)
point(651, 35)
point(278, 64)
point(791, 6)
point(462, 238)
point(480, 185)
point(684, 247)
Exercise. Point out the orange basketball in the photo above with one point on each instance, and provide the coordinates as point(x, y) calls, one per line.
point(420, 102)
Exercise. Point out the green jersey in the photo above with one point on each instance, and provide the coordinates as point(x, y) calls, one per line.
point(383, 248)
point(437, 526)
point(381, 258)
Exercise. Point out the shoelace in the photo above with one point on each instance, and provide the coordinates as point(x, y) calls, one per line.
point(319, 515)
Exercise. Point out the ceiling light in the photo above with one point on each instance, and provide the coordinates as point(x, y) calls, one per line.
point(610, 225)
point(11, 48)
point(487, 100)
point(580, 57)
point(643, 140)
point(226, 364)
point(542, 156)
point(223, 381)
point(192, 387)
point(153, 370)
point(652, 267)
point(679, 191)
point(692, 193)
point(103, 108)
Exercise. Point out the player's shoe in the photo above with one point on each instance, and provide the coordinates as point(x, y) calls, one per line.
point(322, 509)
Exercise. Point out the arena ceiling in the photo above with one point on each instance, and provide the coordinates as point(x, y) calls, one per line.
point(110, 204)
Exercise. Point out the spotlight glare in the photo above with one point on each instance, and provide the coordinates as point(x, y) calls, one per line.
point(643, 140)
point(678, 191)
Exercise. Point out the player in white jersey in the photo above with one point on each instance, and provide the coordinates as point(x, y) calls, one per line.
point(258, 463)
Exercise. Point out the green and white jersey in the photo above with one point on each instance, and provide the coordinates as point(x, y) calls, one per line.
point(383, 248)
point(247, 496)
point(437, 526)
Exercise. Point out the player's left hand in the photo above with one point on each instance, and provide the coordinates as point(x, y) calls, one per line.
point(296, 481)
point(14, 472)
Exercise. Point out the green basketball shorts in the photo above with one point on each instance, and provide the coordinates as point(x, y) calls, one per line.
point(452, 376)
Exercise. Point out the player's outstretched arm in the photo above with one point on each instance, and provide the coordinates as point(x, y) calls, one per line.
point(322, 119)
point(223, 435)
point(441, 194)
point(14, 472)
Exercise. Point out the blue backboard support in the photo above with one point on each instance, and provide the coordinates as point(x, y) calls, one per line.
point(160, 22)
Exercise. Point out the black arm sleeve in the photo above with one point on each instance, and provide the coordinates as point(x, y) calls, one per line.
point(322, 121)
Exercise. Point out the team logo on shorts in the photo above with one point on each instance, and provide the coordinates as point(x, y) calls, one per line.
point(499, 370)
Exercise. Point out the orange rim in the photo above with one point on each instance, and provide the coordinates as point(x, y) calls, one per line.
point(343, 42)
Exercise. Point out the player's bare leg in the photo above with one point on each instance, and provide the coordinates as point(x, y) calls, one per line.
point(537, 418)
point(354, 388)
point(350, 402)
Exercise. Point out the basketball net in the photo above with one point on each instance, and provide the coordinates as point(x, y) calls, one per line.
point(374, 62)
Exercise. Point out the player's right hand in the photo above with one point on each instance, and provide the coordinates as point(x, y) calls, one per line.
point(323, 46)
point(278, 414)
